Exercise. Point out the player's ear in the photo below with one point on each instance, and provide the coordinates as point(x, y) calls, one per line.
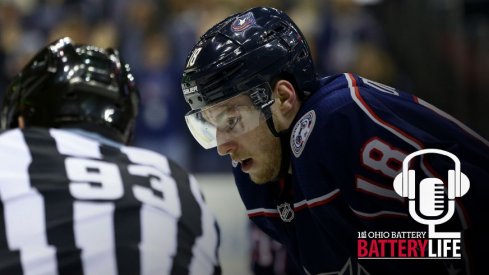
point(285, 96)
point(286, 104)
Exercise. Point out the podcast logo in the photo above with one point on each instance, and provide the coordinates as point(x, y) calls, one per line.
point(431, 203)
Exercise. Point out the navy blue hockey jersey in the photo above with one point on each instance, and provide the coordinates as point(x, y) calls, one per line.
point(348, 143)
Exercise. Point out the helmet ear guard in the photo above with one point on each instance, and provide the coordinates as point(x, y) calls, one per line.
point(67, 84)
point(261, 96)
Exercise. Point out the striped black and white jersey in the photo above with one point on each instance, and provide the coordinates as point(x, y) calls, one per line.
point(74, 204)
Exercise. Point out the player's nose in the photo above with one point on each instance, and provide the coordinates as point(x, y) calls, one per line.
point(226, 148)
point(225, 143)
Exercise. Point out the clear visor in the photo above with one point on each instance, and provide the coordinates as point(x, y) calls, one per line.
point(226, 120)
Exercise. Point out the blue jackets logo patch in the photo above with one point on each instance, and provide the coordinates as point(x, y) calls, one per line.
point(301, 132)
point(243, 22)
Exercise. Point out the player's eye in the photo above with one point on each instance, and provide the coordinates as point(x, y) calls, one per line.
point(231, 122)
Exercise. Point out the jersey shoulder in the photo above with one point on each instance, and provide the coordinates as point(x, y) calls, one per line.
point(316, 113)
point(13, 141)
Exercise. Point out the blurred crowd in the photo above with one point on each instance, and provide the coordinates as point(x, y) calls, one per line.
point(436, 49)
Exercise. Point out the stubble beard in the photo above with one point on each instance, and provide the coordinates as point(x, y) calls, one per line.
point(270, 166)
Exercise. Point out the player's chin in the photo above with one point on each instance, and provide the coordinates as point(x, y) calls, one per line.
point(258, 181)
point(262, 176)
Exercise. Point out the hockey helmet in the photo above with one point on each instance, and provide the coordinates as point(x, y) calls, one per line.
point(241, 56)
point(66, 84)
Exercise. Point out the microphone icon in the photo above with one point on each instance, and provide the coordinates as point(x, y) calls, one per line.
point(430, 203)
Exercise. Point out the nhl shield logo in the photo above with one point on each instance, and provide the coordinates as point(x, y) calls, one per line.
point(301, 132)
point(286, 212)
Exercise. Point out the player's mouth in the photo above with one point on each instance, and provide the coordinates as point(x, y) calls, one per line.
point(246, 164)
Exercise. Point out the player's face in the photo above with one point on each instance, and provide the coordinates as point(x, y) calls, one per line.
point(257, 150)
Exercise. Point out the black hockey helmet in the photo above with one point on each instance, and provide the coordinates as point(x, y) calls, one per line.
point(245, 52)
point(67, 84)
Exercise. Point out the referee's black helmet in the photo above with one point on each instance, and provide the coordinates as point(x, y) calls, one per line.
point(68, 84)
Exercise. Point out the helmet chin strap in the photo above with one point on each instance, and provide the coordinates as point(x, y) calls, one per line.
point(284, 137)
point(268, 113)
point(285, 160)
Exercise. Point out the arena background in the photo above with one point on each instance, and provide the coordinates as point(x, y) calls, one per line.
point(436, 49)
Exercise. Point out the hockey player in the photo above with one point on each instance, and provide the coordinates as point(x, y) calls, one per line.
point(320, 162)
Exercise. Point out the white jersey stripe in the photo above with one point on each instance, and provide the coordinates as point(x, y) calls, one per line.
point(322, 199)
point(378, 214)
point(298, 205)
point(261, 210)
point(152, 240)
point(76, 146)
point(454, 120)
point(92, 222)
point(94, 235)
point(200, 261)
point(366, 109)
point(37, 256)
